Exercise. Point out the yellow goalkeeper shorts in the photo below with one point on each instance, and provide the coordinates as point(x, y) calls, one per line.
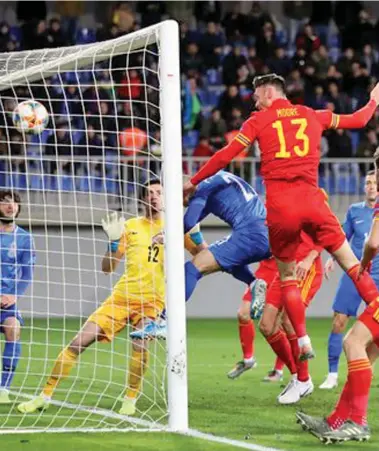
point(118, 310)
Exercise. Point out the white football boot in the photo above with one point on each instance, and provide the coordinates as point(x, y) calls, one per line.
point(330, 382)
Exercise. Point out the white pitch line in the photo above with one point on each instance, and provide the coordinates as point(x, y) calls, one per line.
point(157, 427)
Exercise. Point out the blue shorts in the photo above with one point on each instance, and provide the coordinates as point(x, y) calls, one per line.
point(242, 247)
point(347, 299)
point(10, 312)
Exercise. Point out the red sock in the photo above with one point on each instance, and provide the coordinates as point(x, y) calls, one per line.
point(359, 379)
point(302, 367)
point(280, 345)
point(342, 410)
point(294, 306)
point(279, 364)
point(365, 285)
point(247, 335)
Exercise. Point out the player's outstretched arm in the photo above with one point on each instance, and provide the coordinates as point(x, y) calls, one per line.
point(224, 156)
point(113, 227)
point(358, 119)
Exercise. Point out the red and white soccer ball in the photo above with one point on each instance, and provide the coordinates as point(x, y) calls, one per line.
point(30, 117)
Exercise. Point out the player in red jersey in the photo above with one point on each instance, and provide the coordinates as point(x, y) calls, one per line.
point(289, 139)
point(348, 421)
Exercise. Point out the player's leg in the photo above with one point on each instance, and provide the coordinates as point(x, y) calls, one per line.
point(63, 365)
point(138, 365)
point(11, 328)
point(246, 332)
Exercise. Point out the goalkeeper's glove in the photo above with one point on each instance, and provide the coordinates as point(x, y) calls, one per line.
point(113, 226)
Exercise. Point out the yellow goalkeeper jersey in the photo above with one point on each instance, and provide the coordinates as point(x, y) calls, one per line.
point(144, 269)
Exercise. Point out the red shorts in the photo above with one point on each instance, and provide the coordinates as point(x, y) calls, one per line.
point(267, 270)
point(370, 318)
point(309, 286)
point(293, 207)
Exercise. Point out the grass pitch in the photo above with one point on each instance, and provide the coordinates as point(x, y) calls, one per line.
point(244, 409)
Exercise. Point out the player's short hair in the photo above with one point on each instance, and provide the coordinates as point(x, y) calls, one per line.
point(8, 194)
point(371, 172)
point(270, 80)
point(150, 182)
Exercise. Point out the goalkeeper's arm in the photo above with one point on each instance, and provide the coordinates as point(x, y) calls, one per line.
point(113, 226)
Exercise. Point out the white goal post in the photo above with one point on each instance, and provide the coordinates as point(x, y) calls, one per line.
point(35, 69)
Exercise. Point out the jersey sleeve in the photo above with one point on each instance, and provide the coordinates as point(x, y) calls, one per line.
point(347, 226)
point(358, 119)
point(194, 213)
point(223, 157)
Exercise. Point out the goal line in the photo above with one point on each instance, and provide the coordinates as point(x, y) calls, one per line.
point(149, 425)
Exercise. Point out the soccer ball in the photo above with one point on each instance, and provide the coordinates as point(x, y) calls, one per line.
point(30, 117)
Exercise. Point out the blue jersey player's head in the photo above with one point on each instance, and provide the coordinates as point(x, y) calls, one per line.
point(10, 206)
point(371, 191)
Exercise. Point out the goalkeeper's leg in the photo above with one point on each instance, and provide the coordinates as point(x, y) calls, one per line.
point(63, 366)
point(137, 368)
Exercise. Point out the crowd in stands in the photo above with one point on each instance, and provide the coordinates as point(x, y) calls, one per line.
point(327, 52)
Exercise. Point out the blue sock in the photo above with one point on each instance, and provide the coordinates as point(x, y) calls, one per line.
point(244, 274)
point(11, 356)
point(334, 351)
point(193, 275)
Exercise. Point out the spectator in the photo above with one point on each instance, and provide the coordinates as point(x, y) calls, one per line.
point(187, 37)
point(70, 13)
point(322, 62)
point(90, 146)
point(356, 83)
point(346, 60)
point(341, 102)
point(340, 145)
point(213, 130)
point(55, 35)
point(150, 12)
point(244, 80)
point(254, 62)
point(211, 46)
point(345, 13)
point(310, 80)
point(129, 116)
point(236, 119)
point(318, 101)
point(123, 17)
point(359, 32)
point(131, 85)
point(366, 148)
point(299, 59)
point(192, 61)
point(308, 40)
point(280, 63)
point(232, 62)
point(192, 106)
point(230, 99)
point(295, 87)
point(256, 19)
point(333, 76)
point(298, 14)
point(208, 11)
point(234, 23)
point(104, 125)
point(5, 36)
point(74, 104)
point(40, 39)
point(321, 14)
point(266, 41)
point(369, 59)
point(59, 144)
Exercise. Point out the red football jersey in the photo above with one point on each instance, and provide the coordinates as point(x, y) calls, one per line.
point(289, 138)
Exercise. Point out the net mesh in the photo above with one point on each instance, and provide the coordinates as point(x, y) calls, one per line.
point(101, 144)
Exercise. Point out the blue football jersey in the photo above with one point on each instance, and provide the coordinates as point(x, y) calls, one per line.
point(357, 226)
point(17, 255)
point(228, 197)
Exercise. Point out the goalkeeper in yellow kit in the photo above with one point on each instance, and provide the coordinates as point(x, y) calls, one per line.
point(137, 297)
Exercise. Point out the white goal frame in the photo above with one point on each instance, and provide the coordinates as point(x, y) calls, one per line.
point(77, 57)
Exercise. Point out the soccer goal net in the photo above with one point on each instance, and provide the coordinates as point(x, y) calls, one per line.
point(114, 124)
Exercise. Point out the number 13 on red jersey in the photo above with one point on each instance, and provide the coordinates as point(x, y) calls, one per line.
point(302, 149)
